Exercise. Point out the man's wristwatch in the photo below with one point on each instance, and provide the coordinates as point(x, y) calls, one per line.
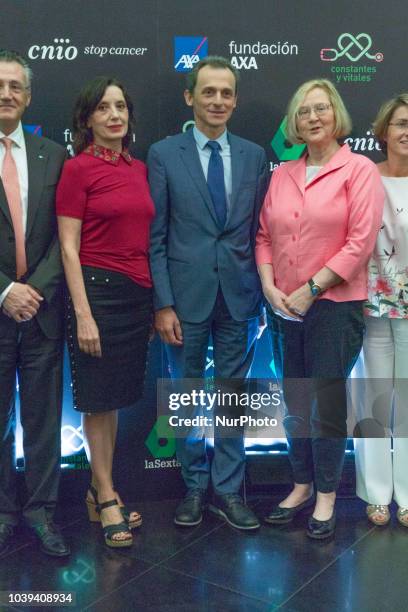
point(314, 288)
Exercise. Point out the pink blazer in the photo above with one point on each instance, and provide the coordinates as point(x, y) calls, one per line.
point(333, 221)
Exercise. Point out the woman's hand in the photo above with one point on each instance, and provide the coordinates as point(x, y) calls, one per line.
point(299, 301)
point(88, 336)
point(277, 300)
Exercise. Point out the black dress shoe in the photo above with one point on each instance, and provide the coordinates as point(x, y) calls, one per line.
point(320, 530)
point(50, 539)
point(190, 511)
point(233, 510)
point(282, 516)
point(6, 534)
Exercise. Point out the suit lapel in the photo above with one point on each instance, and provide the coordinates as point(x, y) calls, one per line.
point(37, 162)
point(237, 170)
point(191, 160)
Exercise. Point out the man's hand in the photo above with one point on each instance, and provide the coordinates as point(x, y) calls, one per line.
point(22, 302)
point(167, 324)
point(88, 336)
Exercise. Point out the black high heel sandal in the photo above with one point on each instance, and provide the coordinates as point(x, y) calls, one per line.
point(95, 518)
point(111, 529)
point(136, 522)
point(92, 505)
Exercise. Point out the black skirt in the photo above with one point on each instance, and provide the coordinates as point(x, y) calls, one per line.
point(122, 310)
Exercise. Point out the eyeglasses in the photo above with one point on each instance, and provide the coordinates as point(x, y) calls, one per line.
point(400, 125)
point(304, 112)
point(14, 86)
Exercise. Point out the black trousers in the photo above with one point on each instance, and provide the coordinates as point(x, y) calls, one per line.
point(37, 360)
point(314, 358)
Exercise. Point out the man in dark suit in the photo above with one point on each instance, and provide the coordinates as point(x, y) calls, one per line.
point(31, 326)
point(208, 186)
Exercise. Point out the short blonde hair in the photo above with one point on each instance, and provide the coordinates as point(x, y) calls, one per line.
point(384, 116)
point(343, 120)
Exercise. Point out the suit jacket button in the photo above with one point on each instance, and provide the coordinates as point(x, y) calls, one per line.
point(215, 268)
point(11, 239)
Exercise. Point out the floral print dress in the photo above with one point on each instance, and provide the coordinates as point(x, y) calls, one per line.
point(388, 267)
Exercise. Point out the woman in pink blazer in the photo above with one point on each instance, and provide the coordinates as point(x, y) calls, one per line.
point(318, 227)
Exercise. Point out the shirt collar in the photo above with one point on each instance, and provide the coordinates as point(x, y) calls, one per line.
point(201, 139)
point(17, 136)
point(108, 155)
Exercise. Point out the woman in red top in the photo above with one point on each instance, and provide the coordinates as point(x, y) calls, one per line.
point(104, 212)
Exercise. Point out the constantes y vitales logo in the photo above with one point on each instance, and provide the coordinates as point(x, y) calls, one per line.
point(353, 59)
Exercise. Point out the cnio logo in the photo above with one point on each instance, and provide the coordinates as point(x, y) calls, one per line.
point(60, 50)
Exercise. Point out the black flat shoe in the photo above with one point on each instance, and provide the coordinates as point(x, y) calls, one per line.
point(321, 530)
point(282, 516)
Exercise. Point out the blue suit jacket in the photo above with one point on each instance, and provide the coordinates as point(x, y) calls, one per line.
point(190, 256)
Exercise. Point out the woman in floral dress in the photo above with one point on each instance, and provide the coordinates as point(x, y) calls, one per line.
point(381, 462)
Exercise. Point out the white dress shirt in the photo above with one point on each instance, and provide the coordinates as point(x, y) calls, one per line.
point(18, 150)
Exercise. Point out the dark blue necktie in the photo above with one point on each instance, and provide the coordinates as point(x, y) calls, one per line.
point(215, 182)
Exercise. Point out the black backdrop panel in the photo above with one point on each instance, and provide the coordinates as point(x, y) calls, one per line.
point(276, 44)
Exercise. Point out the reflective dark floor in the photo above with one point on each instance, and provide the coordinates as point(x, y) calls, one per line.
point(214, 568)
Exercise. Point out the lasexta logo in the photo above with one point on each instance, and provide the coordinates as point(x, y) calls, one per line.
point(160, 441)
point(283, 149)
point(188, 50)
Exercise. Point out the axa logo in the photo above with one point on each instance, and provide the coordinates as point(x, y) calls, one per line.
point(60, 49)
point(33, 129)
point(244, 63)
point(352, 48)
point(188, 50)
point(284, 150)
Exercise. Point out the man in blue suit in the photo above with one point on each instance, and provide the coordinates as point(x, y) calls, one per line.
point(208, 186)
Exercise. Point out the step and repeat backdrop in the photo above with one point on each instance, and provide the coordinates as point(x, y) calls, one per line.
point(150, 45)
